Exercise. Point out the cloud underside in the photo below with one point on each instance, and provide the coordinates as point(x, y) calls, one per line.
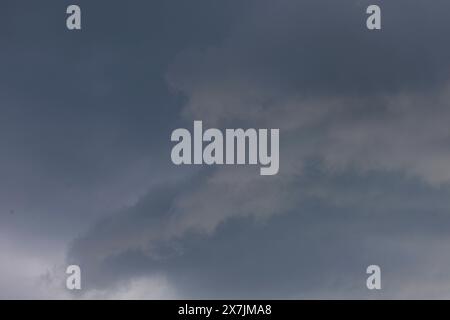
point(364, 163)
point(364, 158)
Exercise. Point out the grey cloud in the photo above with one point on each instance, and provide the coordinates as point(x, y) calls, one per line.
point(318, 247)
point(363, 119)
point(349, 99)
point(84, 116)
point(323, 48)
point(367, 99)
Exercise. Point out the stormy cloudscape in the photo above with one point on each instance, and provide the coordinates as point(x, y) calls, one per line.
point(86, 176)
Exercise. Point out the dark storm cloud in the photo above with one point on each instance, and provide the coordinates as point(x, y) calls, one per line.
point(340, 94)
point(88, 117)
point(317, 249)
point(344, 93)
point(82, 111)
point(323, 48)
point(84, 117)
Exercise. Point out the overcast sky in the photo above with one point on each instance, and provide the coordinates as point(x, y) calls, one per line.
point(86, 176)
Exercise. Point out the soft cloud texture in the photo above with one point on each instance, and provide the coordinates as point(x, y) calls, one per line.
point(350, 101)
point(364, 152)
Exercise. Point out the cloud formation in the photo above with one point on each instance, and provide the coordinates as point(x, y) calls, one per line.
point(364, 152)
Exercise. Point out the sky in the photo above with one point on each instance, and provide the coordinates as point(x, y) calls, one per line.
point(86, 176)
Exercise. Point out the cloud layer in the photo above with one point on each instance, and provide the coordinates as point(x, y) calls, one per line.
point(364, 152)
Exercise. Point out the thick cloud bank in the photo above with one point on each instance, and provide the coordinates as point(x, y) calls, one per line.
point(364, 156)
